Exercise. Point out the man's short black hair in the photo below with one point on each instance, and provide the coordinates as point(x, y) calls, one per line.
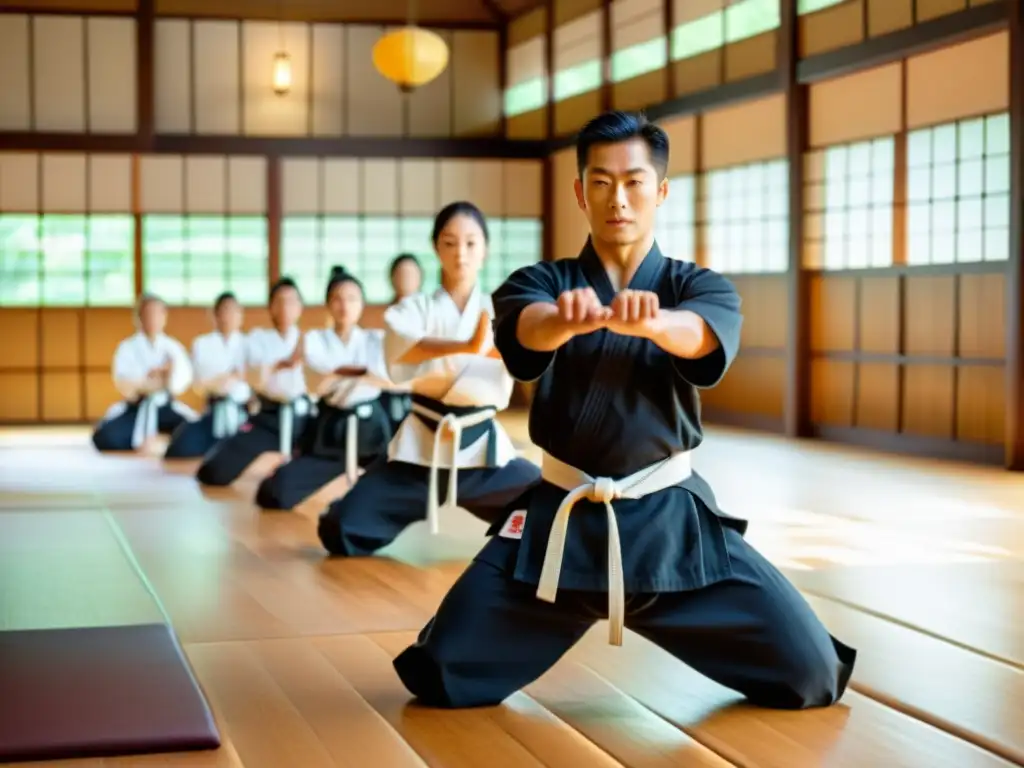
point(616, 127)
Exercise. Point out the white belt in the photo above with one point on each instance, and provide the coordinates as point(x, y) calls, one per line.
point(227, 418)
point(361, 411)
point(455, 424)
point(651, 479)
point(147, 419)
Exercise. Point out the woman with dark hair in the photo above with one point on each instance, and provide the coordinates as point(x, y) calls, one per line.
point(439, 345)
point(406, 276)
point(351, 428)
point(274, 364)
point(150, 370)
point(219, 362)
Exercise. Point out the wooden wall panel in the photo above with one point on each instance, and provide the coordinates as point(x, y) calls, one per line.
point(879, 315)
point(928, 401)
point(743, 133)
point(61, 335)
point(833, 313)
point(264, 112)
point(327, 79)
point(573, 113)
point(21, 334)
point(982, 316)
point(750, 57)
point(933, 9)
point(20, 402)
point(981, 404)
point(754, 386)
point(476, 88)
point(886, 16)
point(15, 98)
point(58, 56)
point(698, 73)
point(831, 28)
point(641, 91)
point(832, 392)
point(764, 327)
point(974, 77)
point(930, 314)
point(877, 405)
point(173, 76)
point(216, 93)
point(111, 68)
point(62, 396)
point(859, 106)
point(570, 225)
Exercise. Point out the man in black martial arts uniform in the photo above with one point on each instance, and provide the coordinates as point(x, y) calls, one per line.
point(619, 341)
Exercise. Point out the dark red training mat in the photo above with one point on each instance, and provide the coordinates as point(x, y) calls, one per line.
point(98, 692)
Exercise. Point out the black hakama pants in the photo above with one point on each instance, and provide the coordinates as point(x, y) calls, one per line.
point(752, 632)
point(115, 434)
point(392, 495)
point(229, 458)
point(194, 439)
point(322, 457)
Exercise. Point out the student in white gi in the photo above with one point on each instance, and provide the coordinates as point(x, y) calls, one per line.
point(441, 346)
point(351, 428)
point(274, 362)
point(150, 369)
point(220, 378)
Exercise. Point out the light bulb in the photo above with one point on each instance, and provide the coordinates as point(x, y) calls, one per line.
point(282, 74)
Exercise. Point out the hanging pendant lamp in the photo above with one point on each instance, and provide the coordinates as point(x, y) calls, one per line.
point(410, 57)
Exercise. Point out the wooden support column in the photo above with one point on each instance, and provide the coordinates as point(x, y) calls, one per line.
point(1014, 454)
point(798, 368)
point(274, 215)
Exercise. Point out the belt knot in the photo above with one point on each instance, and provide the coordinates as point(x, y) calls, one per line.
point(604, 490)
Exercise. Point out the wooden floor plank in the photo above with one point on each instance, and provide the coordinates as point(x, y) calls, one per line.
point(615, 722)
point(855, 733)
point(66, 569)
point(547, 737)
point(268, 726)
point(448, 738)
point(960, 692)
point(976, 606)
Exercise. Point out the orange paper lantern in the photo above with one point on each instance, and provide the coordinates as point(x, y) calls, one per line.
point(410, 57)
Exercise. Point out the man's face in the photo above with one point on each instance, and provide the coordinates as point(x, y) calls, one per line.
point(153, 317)
point(620, 191)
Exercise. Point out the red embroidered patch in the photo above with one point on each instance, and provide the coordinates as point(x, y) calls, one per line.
point(515, 523)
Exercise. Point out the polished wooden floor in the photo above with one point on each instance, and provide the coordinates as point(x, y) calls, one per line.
point(918, 564)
